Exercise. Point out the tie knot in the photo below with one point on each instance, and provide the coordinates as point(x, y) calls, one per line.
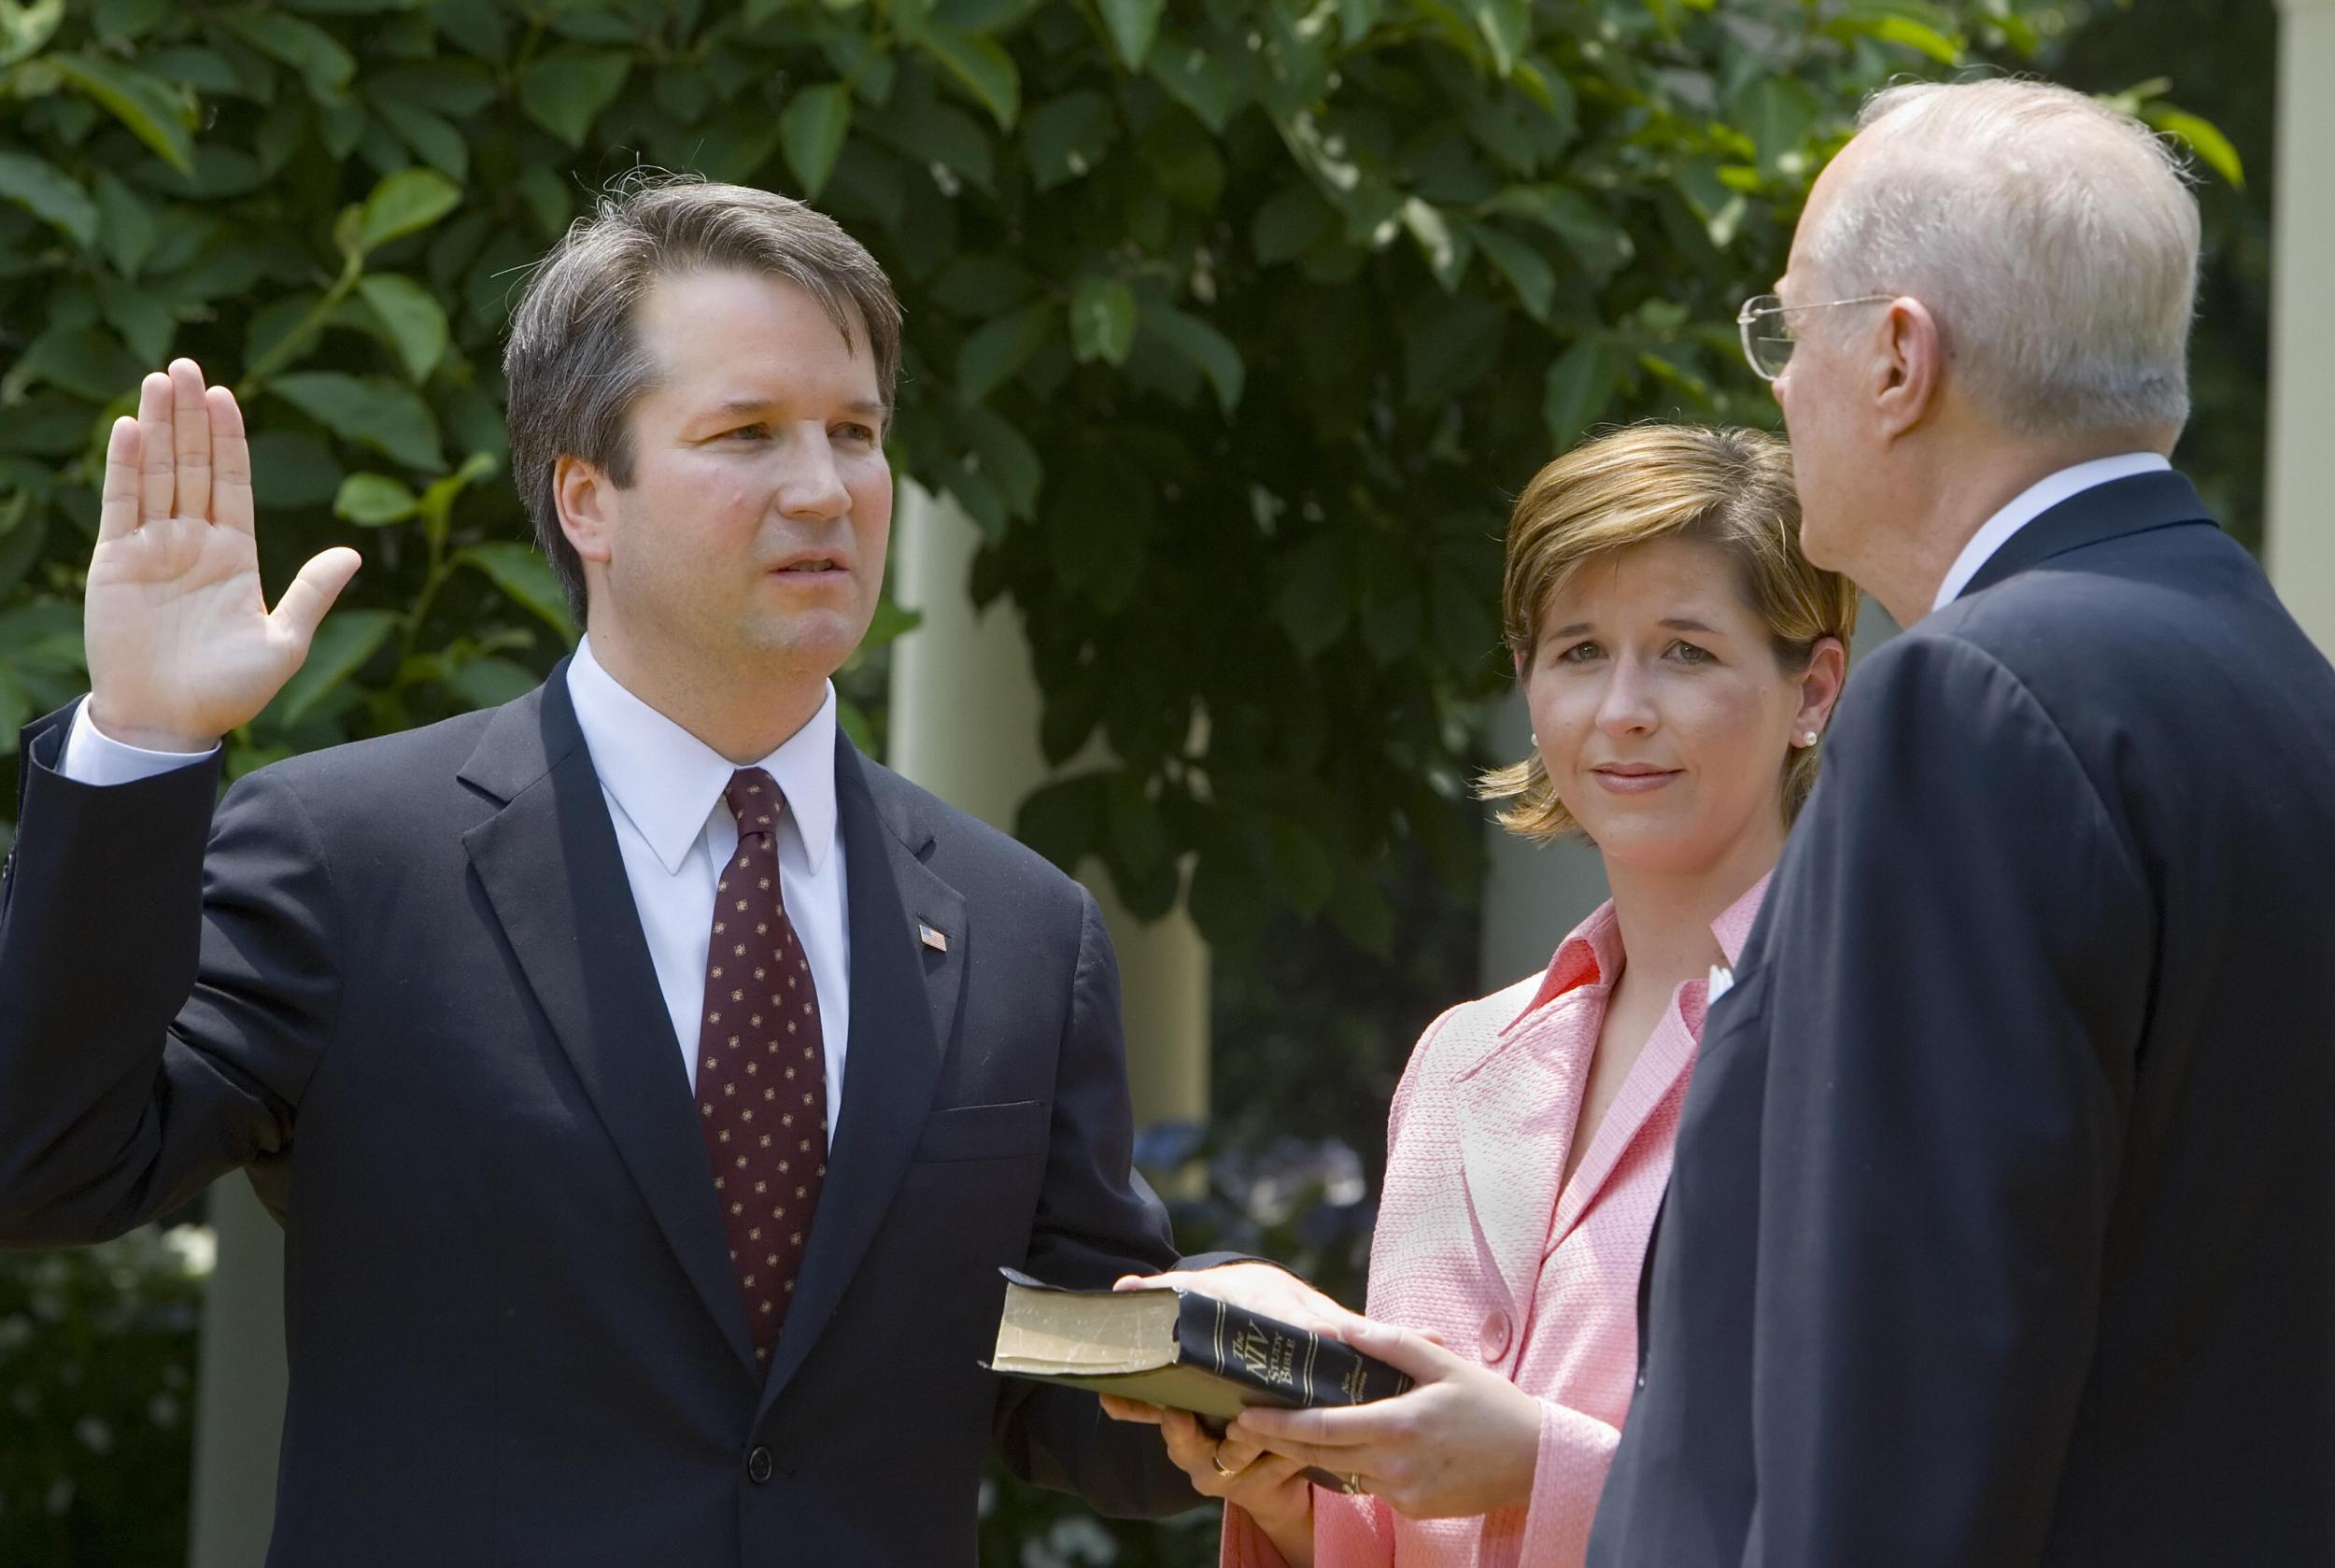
point(754, 801)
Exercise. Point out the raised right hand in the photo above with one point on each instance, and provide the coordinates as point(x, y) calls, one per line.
point(182, 647)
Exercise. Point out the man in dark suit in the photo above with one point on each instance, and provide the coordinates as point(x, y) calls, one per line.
point(651, 1084)
point(2000, 1227)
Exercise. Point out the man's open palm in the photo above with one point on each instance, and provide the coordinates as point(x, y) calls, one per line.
point(182, 647)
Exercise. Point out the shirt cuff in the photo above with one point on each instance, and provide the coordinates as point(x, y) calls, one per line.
point(93, 757)
point(1576, 1451)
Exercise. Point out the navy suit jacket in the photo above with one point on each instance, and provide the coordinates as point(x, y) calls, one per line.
point(2001, 1229)
point(405, 985)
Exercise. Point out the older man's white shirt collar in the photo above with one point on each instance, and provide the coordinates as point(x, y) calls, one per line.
point(668, 781)
point(2034, 502)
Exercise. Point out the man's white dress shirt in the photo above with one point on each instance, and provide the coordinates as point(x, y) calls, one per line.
point(2034, 502)
point(664, 791)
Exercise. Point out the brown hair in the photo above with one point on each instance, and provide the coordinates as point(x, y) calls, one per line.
point(1731, 489)
point(574, 365)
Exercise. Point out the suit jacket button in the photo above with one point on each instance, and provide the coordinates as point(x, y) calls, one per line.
point(758, 1464)
point(1495, 1336)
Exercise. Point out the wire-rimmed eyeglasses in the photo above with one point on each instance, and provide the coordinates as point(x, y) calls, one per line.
point(1767, 332)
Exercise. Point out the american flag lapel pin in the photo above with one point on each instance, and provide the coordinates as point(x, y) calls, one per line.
point(936, 940)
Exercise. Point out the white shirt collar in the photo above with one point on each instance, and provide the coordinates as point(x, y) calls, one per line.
point(2033, 503)
point(668, 781)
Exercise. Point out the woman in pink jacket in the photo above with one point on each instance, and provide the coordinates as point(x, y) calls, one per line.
point(1679, 656)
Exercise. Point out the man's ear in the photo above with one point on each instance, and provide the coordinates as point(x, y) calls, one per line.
point(586, 501)
point(1911, 366)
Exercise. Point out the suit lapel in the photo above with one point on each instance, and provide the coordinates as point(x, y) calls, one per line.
point(903, 1007)
point(1517, 1110)
point(550, 867)
point(2134, 504)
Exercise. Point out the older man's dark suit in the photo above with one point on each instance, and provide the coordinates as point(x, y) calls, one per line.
point(407, 984)
point(2001, 1229)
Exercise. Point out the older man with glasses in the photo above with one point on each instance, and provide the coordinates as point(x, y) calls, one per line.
point(1999, 1229)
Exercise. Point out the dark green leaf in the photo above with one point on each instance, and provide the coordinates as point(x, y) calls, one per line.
point(1068, 136)
point(1199, 81)
point(48, 193)
point(144, 322)
point(1527, 270)
point(88, 361)
point(812, 129)
point(131, 225)
point(1451, 348)
point(1596, 241)
point(1133, 25)
point(1063, 820)
point(1006, 457)
point(290, 471)
point(1581, 384)
point(1316, 603)
point(1898, 29)
point(373, 500)
point(1507, 26)
point(983, 285)
point(1778, 114)
point(1289, 222)
point(564, 91)
point(490, 682)
point(1102, 321)
point(2206, 140)
point(323, 63)
point(433, 139)
point(410, 319)
point(1208, 350)
point(346, 639)
point(24, 28)
point(158, 114)
point(996, 351)
point(367, 410)
point(405, 202)
point(26, 517)
point(981, 65)
point(126, 20)
point(1447, 250)
point(527, 578)
point(454, 89)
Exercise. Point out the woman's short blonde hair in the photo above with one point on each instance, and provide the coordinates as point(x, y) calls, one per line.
point(1728, 488)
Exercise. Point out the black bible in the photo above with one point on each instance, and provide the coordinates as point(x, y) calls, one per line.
point(1181, 1350)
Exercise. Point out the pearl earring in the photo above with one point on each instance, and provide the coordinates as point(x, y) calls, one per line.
point(1808, 738)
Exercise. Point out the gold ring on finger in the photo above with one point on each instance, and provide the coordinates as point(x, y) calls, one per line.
point(1216, 1458)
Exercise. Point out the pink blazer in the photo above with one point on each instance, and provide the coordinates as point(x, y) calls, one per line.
point(1480, 1239)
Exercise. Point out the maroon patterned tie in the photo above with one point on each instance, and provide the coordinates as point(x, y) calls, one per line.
point(761, 1069)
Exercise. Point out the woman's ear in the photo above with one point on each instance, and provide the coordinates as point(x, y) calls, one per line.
point(1819, 686)
point(586, 501)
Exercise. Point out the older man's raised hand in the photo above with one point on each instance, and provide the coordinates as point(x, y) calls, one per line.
point(182, 646)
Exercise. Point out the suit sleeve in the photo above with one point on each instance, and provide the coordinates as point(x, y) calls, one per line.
point(160, 1005)
point(1955, 991)
point(1096, 1219)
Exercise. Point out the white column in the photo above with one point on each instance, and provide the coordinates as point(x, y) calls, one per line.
point(239, 1388)
point(2300, 529)
point(964, 724)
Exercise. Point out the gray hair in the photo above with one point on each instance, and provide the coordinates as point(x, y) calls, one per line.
point(2054, 238)
point(574, 364)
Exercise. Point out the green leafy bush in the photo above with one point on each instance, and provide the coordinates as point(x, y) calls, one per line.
point(1231, 325)
point(97, 1363)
